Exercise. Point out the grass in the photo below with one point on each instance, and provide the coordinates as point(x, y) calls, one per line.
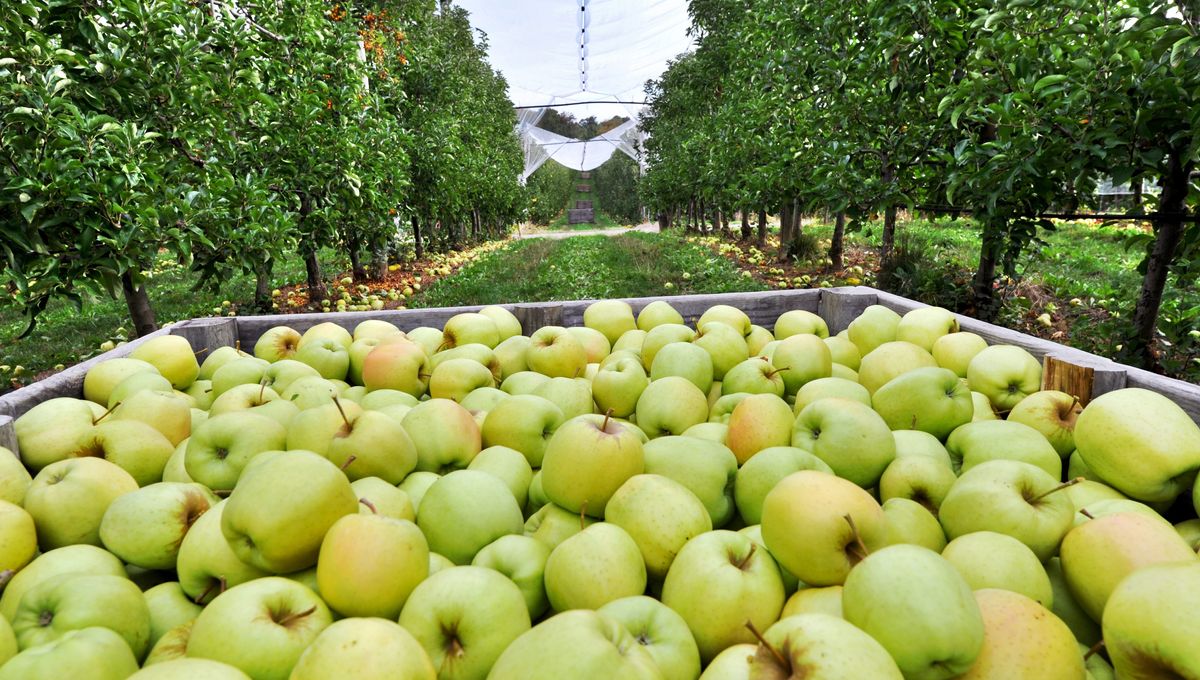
point(603, 220)
point(630, 265)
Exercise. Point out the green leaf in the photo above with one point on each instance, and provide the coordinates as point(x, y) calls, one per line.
point(1047, 81)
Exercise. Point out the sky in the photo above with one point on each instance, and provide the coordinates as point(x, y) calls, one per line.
point(537, 45)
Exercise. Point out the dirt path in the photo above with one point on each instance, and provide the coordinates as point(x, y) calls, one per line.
point(647, 227)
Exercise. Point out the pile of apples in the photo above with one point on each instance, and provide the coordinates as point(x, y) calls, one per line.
point(633, 498)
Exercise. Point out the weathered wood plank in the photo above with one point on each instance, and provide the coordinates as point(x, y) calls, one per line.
point(206, 335)
point(840, 306)
point(8, 435)
point(533, 317)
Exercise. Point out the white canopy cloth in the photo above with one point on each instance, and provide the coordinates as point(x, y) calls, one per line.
point(558, 52)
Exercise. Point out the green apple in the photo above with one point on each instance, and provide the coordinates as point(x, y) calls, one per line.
point(50, 431)
point(630, 341)
point(1052, 413)
point(587, 461)
point(507, 324)
point(1150, 622)
point(728, 315)
point(416, 484)
point(377, 497)
point(873, 327)
point(983, 407)
point(618, 385)
point(14, 478)
point(242, 398)
point(169, 608)
point(1189, 531)
point(370, 564)
point(758, 339)
point(206, 564)
point(552, 525)
point(326, 330)
point(819, 526)
point(827, 600)
point(18, 541)
point(523, 382)
point(244, 371)
point(445, 434)
point(146, 527)
point(429, 339)
point(891, 360)
point(662, 632)
point(281, 507)
point(222, 447)
point(919, 608)
point(75, 601)
point(383, 398)
point(850, 437)
point(720, 410)
point(753, 376)
point(168, 412)
point(464, 511)
point(661, 515)
point(733, 663)
point(402, 366)
point(511, 355)
point(277, 343)
point(843, 352)
point(582, 645)
point(507, 465)
point(137, 382)
point(658, 313)
point(201, 394)
point(328, 356)
point(480, 354)
point(595, 345)
point(102, 378)
point(93, 653)
point(361, 443)
point(931, 400)
point(908, 521)
point(800, 322)
point(987, 559)
point(661, 336)
point(172, 646)
point(917, 443)
point(132, 445)
point(708, 469)
point(713, 432)
point(925, 325)
point(556, 353)
point(469, 328)
point(189, 669)
point(172, 355)
point(522, 559)
point(523, 422)
point(1021, 639)
point(364, 649)
point(760, 421)
point(801, 359)
point(830, 387)
point(670, 406)
point(1006, 374)
point(981, 441)
point(261, 627)
point(612, 318)
point(1067, 608)
point(1009, 497)
point(1099, 553)
point(81, 558)
point(762, 472)
point(923, 479)
point(358, 355)
point(311, 391)
point(725, 344)
point(374, 328)
point(572, 395)
point(718, 582)
point(456, 378)
point(464, 617)
point(820, 646)
point(685, 360)
point(1140, 443)
point(67, 499)
point(840, 371)
point(599, 564)
point(954, 351)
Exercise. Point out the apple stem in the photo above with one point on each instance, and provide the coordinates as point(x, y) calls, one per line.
point(202, 350)
point(607, 415)
point(770, 647)
point(291, 618)
point(582, 515)
point(218, 585)
point(338, 403)
point(6, 576)
point(777, 371)
point(1085, 513)
point(1060, 487)
point(914, 422)
point(106, 413)
point(745, 560)
point(1093, 649)
point(862, 551)
point(348, 463)
point(262, 388)
point(369, 504)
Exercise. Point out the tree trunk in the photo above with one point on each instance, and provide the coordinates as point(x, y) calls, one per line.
point(1172, 204)
point(836, 243)
point(379, 260)
point(745, 225)
point(717, 221)
point(785, 230)
point(316, 283)
point(725, 222)
point(985, 275)
point(418, 249)
point(1135, 185)
point(762, 227)
point(357, 271)
point(701, 216)
point(140, 311)
point(474, 226)
point(262, 285)
point(888, 240)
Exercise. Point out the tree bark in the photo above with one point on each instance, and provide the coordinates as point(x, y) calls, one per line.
point(379, 260)
point(701, 216)
point(1135, 185)
point(418, 249)
point(1172, 204)
point(745, 225)
point(717, 221)
point(262, 285)
point(785, 230)
point(837, 242)
point(762, 227)
point(888, 240)
point(985, 275)
point(140, 311)
point(316, 283)
point(357, 271)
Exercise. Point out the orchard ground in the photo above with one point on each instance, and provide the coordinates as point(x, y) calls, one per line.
point(1076, 289)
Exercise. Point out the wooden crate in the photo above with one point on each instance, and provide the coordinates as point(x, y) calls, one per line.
point(1084, 374)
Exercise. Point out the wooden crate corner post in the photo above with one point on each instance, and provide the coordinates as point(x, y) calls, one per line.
point(534, 316)
point(840, 306)
point(1080, 376)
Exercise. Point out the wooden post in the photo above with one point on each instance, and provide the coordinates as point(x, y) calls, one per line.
point(206, 335)
point(534, 316)
point(840, 306)
point(8, 435)
point(1080, 377)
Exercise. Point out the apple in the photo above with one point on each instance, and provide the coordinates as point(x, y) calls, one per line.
point(445, 434)
point(725, 344)
point(1140, 443)
point(597, 565)
point(758, 339)
point(522, 559)
point(1022, 639)
point(587, 461)
point(763, 471)
point(507, 465)
point(364, 649)
point(686, 361)
point(820, 645)
point(1052, 413)
point(511, 355)
point(464, 617)
point(658, 313)
point(840, 371)
point(172, 646)
point(222, 447)
point(311, 391)
point(819, 526)
point(891, 360)
point(873, 327)
point(612, 318)
point(917, 443)
point(758, 422)
point(416, 484)
point(670, 406)
point(931, 400)
point(923, 479)
point(1009, 497)
point(572, 395)
point(582, 645)
point(102, 378)
point(18, 541)
point(328, 356)
point(172, 355)
point(631, 342)
point(429, 339)
point(277, 343)
point(326, 330)
point(201, 394)
point(707, 469)
point(919, 608)
point(714, 432)
point(800, 322)
point(281, 507)
point(843, 352)
point(169, 608)
point(243, 371)
point(507, 324)
point(456, 378)
point(733, 663)
point(374, 328)
point(189, 669)
point(850, 437)
point(719, 581)
point(987, 559)
point(464, 511)
point(552, 525)
point(468, 328)
point(661, 336)
point(50, 431)
point(925, 325)
point(524, 423)
point(595, 345)
point(661, 515)
point(402, 366)
point(206, 565)
point(728, 315)
point(242, 398)
point(800, 359)
point(369, 565)
point(1067, 608)
point(954, 351)
point(146, 527)
point(1006, 374)
point(138, 382)
point(75, 601)
point(985, 440)
point(67, 499)
point(753, 376)
point(261, 627)
point(94, 653)
point(1150, 622)
point(827, 600)
point(908, 521)
point(70, 559)
point(132, 445)
point(556, 353)
point(830, 387)
point(14, 478)
point(722, 409)
point(618, 385)
point(661, 631)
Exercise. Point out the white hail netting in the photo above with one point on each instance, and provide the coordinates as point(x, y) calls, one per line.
point(558, 52)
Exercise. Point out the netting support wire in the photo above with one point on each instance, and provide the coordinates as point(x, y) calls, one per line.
point(560, 105)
